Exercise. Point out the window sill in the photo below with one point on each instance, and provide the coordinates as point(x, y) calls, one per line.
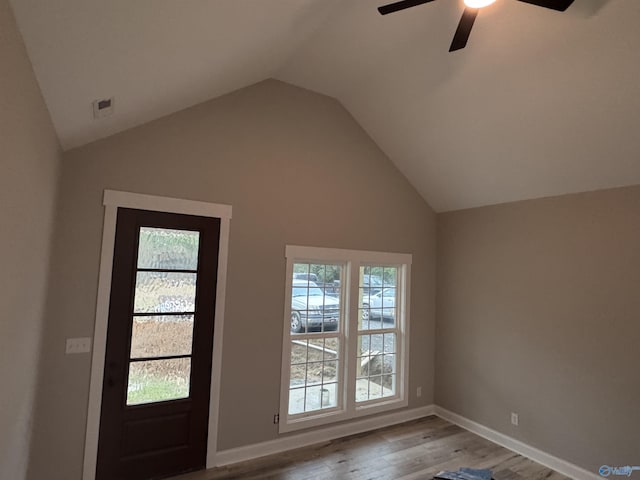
point(335, 416)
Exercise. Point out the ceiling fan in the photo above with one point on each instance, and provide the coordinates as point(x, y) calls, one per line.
point(470, 13)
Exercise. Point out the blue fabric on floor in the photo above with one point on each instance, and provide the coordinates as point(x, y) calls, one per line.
point(465, 474)
point(481, 474)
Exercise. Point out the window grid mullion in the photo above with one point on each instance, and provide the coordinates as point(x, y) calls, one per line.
point(379, 331)
point(353, 297)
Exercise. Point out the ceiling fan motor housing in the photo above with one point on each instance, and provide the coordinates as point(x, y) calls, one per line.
point(560, 5)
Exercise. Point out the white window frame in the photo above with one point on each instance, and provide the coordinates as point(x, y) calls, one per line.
point(347, 407)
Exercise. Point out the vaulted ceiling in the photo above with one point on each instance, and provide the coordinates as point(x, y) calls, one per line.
point(539, 103)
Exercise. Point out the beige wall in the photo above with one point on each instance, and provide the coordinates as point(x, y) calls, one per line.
point(29, 156)
point(539, 313)
point(297, 169)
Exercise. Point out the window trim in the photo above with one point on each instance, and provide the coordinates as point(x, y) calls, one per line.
point(347, 406)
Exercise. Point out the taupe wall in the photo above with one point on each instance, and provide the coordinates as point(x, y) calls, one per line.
point(297, 169)
point(29, 159)
point(539, 313)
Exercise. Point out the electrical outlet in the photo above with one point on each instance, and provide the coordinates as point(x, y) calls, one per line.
point(78, 345)
point(276, 418)
point(419, 392)
point(515, 420)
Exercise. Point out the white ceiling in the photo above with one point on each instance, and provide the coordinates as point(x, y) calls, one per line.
point(539, 103)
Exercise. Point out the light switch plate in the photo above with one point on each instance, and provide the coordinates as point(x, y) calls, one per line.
point(78, 345)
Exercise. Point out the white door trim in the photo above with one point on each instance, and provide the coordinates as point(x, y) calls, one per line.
point(112, 201)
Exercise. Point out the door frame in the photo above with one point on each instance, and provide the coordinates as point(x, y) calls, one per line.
point(113, 200)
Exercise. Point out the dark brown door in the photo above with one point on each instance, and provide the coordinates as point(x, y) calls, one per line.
point(155, 395)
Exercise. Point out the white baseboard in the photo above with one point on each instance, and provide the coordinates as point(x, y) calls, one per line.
point(543, 458)
point(289, 442)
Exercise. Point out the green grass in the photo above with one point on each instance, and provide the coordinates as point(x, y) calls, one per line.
point(155, 390)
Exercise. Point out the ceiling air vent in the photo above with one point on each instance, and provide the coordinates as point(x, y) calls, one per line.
point(103, 108)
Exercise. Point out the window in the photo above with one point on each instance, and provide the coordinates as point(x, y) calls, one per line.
point(376, 361)
point(346, 336)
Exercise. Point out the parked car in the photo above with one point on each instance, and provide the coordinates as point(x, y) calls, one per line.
point(311, 308)
point(381, 304)
point(329, 288)
point(371, 284)
point(310, 277)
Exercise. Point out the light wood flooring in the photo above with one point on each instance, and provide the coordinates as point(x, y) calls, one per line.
point(415, 450)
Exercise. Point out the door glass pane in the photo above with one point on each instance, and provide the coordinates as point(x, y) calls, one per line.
point(162, 292)
point(168, 249)
point(158, 380)
point(161, 336)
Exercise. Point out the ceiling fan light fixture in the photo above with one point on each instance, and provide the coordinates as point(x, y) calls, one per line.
point(472, 8)
point(478, 3)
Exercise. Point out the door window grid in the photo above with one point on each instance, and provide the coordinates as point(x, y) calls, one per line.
point(162, 317)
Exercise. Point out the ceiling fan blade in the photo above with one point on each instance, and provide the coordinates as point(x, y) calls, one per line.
point(464, 29)
point(396, 6)
point(559, 5)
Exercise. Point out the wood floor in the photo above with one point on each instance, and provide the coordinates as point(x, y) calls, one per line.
point(411, 451)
